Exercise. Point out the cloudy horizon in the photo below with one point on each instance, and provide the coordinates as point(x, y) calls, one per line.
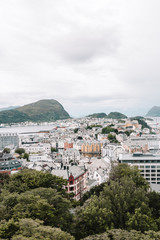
point(91, 56)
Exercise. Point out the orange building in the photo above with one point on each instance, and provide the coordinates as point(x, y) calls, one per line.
point(68, 145)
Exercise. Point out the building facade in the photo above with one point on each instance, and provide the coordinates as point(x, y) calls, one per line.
point(8, 139)
point(147, 163)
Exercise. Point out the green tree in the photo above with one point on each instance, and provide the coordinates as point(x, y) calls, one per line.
point(8, 229)
point(4, 177)
point(27, 179)
point(154, 203)
point(50, 207)
point(54, 149)
point(116, 204)
point(94, 217)
point(26, 156)
point(119, 234)
point(29, 229)
point(124, 170)
point(112, 138)
point(108, 129)
point(6, 150)
point(20, 151)
point(141, 220)
point(76, 130)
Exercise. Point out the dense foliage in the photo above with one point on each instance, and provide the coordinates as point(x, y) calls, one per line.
point(109, 129)
point(35, 205)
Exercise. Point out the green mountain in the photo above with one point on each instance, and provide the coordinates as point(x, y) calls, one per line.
point(116, 115)
point(97, 115)
point(154, 112)
point(41, 111)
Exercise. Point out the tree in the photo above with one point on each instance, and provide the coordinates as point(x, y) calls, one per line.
point(142, 219)
point(96, 190)
point(94, 217)
point(112, 138)
point(116, 205)
point(20, 151)
point(6, 150)
point(50, 207)
point(54, 149)
point(119, 234)
point(154, 203)
point(8, 229)
point(108, 130)
point(28, 179)
point(26, 156)
point(29, 229)
point(76, 130)
point(4, 177)
point(124, 170)
point(79, 138)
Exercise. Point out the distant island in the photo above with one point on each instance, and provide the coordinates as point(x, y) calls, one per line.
point(97, 115)
point(41, 111)
point(154, 112)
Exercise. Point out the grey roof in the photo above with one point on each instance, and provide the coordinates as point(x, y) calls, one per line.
point(90, 182)
point(60, 173)
point(76, 171)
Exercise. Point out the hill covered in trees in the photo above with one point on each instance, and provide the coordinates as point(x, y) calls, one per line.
point(116, 115)
point(35, 205)
point(41, 111)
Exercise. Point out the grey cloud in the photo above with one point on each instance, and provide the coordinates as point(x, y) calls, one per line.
point(85, 44)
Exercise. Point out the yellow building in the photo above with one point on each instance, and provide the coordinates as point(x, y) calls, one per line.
point(91, 148)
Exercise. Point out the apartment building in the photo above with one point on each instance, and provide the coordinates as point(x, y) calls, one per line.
point(148, 164)
point(37, 148)
point(76, 178)
point(7, 139)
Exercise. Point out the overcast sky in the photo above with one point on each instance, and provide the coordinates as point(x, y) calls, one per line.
point(90, 55)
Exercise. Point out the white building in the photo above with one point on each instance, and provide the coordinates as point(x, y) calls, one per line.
point(37, 148)
point(148, 163)
point(7, 139)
